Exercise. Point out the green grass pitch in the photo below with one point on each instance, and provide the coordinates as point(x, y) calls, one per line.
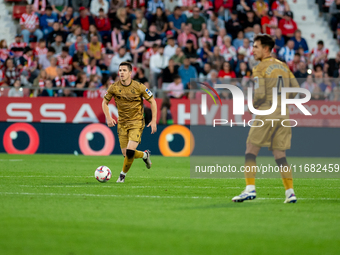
point(52, 204)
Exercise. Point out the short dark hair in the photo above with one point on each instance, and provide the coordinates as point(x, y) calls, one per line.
point(265, 40)
point(49, 8)
point(297, 54)
point(129, 66)
point(64, 48)
point(51, 49)
point(176, 76)
point(42, 40)
point(320, 42)
point(27, 49)
point(177, 8)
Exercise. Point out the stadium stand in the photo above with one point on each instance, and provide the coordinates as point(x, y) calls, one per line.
point(196, 37)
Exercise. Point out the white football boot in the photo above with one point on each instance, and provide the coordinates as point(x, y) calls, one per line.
point(245, 195)
point(121, 178)
point(290, 199)
point(147, 160)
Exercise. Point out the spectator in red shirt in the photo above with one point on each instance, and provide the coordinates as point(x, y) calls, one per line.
point(84, 20)
point(294, 64)
point(29, 23)
point(226, 71)
point(279, 8)
point(287, 26)
point(185, 36)
point(223, 8)
point(269, 23)
point(104, 26)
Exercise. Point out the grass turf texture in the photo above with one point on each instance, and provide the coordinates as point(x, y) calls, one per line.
point(52, 204)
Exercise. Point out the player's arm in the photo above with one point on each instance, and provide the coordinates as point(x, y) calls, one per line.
point(260, 90)
point(153, 122)
point(109, 120)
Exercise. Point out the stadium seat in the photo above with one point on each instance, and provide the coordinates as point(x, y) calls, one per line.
point(107, 59)
point(18, 10)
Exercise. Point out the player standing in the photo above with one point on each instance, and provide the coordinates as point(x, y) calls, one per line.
point(128, 95)
point(268, 74)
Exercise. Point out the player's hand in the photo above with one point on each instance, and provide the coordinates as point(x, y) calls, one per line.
point(153, 127)
point(111, 122)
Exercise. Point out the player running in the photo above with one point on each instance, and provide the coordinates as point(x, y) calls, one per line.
point(128, 95)
point(268, 74)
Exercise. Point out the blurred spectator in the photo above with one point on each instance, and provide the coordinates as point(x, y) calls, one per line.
point(116, 4)
point(4, 51)
point(47, 20)
point(80, 58)
point(74, 47)
point(92, 68)
point(179, 56)
point(29, 23)
point(48, 90)
point(170, 49)
point(287, 26)
point(40, 49)
point(205, 38)
point(117, 40)
point(244, 71)
point(205, 52)
point(205, 74)
point(18, 46)
point(153, 5)
point(249, 24)
point(77, 4)
point(242, 6)
point(94, 32)
point(28, 66)
point(334, 66)
point(301, 73)
point(176, 88)
point(103, 25)
point(16, 91)
point(39, 82)
point(223, 7)
point(299, 41)
point(197, 22)
point(214, 24)
point(170, 6)
point(334, 10)
point(161, 22)
point(132, 5)
point(191, 53)
point(59, 81)
point(269, 23)
point(158, 62)
point(317, 94)
point(91, 92)
point(226, 71)
point(152, 37)
point(11, 72)
point(140, 24)
point(185, 36)
point(67, 20)
point(279, 7)
point(238, 42)
point(81, 83)
point(122, 22)
point(84, 20)
point(303, 55)
point(279, 40)
point(216, 60)
point(39, 6)
point(327, 86)
point(236, 62)
point(233, 25)
point(67, 92)
point(227, 50)
point(96, 5)
point(58, 44)
point(122, 56)
point(59, 6)
point(56, 32)
point(260, 7)
point(72, 37)
point(221, 34)
point(140, 76)
point(44, 60)
point(287, 53)
point(52, 69)
point(166, 117)
point(177, 20)
point(147, 55)
point(294, 63)
point(187, 72)
point(65, 61)
point(96, 49)
point(320, 54)
point(135, 46)
point(169, 73)
point(247, 48)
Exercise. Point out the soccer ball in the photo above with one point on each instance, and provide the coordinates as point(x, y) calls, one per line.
point(103, 174)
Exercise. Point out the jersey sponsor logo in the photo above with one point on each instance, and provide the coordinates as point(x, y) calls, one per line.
point(148, 92)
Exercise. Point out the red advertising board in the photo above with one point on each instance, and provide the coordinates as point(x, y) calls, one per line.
point(82, 110)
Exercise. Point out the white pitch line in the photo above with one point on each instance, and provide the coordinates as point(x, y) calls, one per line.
point(96, 195)
point(12, 160)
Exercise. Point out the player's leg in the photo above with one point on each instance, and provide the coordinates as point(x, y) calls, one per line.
point(123, 142)
point(286, 175)
point(280, 143)
point(136, 135)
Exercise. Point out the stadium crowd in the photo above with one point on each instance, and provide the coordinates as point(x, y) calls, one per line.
point(80, 43)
